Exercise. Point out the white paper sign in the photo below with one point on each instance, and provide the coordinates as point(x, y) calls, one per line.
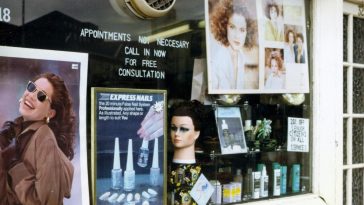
point(202, 190)
point(297, 135)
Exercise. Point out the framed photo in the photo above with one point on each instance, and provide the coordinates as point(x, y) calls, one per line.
point(256, 46)
point(230, 130)
point(19, 66)
point(129, 145)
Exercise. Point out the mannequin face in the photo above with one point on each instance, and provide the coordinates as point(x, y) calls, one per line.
point(183, 134)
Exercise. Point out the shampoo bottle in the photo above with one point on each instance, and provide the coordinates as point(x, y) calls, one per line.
point(264, 183)
point(295, 174)
point(256, 184)
point(283, 179)
point(276, 179)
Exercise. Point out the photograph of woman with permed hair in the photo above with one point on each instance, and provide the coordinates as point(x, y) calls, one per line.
point(40, 157)
point(233, 59)
point(275, 71)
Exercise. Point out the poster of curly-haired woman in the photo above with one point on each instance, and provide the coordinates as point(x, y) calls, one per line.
point(242, 40)
point(43, 156)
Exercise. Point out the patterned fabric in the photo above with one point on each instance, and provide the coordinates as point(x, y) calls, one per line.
point(182, 179)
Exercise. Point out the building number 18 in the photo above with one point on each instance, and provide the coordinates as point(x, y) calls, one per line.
point(5, 14)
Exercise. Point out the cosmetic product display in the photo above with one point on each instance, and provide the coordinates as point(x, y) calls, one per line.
point(295, 175)
point(283, 180)
point(256, 185)
point(116, 172)
point(143, 154)
point(129, 173)
point(146, 195)
point(155, 170)
point(264, 179)
point(276, 179)
point(236, 191)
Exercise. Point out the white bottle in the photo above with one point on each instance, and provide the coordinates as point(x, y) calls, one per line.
point(116, 172)
point(129, 173)
point(276, 182)
point(256, 185)
point(155, 170)
point(226, 134)
point(264, 183)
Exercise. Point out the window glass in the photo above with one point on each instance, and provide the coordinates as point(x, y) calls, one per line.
point(358, 40)
point(163, 53)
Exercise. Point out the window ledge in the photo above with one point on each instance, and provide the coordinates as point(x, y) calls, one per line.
point(305, 199)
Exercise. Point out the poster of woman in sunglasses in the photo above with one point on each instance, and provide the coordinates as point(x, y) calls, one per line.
point(43, 128)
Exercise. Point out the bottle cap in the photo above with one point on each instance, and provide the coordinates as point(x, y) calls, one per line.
point(224, 125)
point(145, 144)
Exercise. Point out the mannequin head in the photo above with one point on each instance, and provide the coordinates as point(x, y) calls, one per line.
point(185, 127)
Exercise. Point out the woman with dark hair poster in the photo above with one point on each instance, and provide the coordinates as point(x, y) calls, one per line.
point(37, 147)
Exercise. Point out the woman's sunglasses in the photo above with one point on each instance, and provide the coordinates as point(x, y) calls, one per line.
point(41, 95)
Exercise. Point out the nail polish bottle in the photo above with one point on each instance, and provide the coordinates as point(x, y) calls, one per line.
point(129, 173)
point(155, 170)
point(143, 154)
point(116, 172)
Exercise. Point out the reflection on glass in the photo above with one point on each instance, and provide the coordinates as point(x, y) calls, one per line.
point(358, 40)
point(344, 186)
point(345, 91)
point(345, 121)
point(357, 186)
point(345, 37)
point(358, 90)
point(358, 127)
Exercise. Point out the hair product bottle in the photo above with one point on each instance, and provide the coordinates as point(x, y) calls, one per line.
point(276, 179)
point(238, 179)
point(256, 185)
point(264, 183)
point(283, 179)
point(295, 174)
